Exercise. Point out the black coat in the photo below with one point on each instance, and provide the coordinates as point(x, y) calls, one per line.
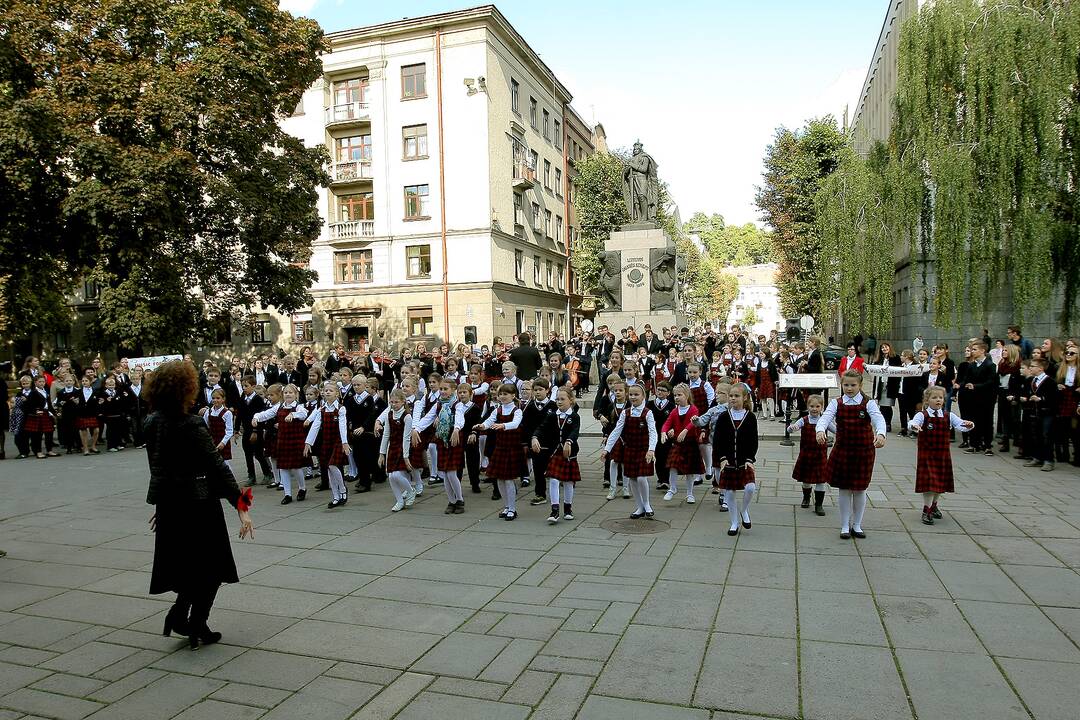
point(552, 438)
point(738, 447)
point(528, 361)
point(188, 480)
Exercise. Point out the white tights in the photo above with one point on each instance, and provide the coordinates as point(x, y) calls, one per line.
point(418, 479)
point(735, 511)
point(613, 475)
point(452, 483)
point(820, 487)
point(337, 482)
point(287, 476)
point(706, 457)
point(929, 499)
point(852, 506)
point(673, 477)
point(640, 487)
point(482, 442)
point(399, 484)
point(433, 458)
point(553, 491)
point(508, 488)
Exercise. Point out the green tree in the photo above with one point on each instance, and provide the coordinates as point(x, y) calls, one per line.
point(796, 163)
point(155, 162)
point(750, 318)
point(600, 209)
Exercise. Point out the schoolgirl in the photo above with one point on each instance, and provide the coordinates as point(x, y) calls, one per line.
point(860, 430)
point(810, 466)
point(451, 371)
point(933, 467)
point(1066, 429)
point(311, 405)
point(451, 456)
point(288, 417)
point(18, 416)
point(707, 423)
point(40, 418)
point(358, 408)
point(767, 377)
point(87, 423)
point(423, 417)
point(427, 429)
point(613, 460)
point(717, 369)
point(684, 457)
point(219, 421)
point(67, 408)
point(331, 428)
point(557, 436)
point(395, 450)
point(736, 446)
point(635, 430)
point(533, 416)
point(268, 425)
point(506, 457)
point(702, 396)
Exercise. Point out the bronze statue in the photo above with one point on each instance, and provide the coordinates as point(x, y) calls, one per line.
point(641, 188)
point(662, 263)
point(610, 281)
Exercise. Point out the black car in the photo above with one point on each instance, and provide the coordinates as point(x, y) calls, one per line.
point(833, 354)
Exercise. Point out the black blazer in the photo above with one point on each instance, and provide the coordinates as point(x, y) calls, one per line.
point(552, 437)
point(36, 403)
point(985, 378)
point(1047, 392)
point(738, 447)
point(651, 346)
point(246, 410)
point(292, 377)
point(532, 417)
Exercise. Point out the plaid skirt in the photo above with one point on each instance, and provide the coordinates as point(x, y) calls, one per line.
point(418, 454)
point(850, 467)
point(563, 470)
point(451, 459)
point(507, 458)
point(634, 464)
point(685, 458)
point(734, 478)
point(289, 451)
point(86, 423)
point(330, 452)
point(617, 453)
point(39, 424)
point(811, 463)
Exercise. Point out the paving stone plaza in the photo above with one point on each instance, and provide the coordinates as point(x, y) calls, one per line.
point(360, 613)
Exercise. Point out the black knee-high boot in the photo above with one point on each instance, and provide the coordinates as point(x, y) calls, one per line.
point(201, 603)
point(806, 497)
point(819, 502)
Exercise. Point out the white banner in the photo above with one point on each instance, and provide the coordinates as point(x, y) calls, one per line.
point(810, 381)
point(897, 371)
point(151, 363)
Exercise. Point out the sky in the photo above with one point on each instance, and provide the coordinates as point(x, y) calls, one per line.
point(703, 85)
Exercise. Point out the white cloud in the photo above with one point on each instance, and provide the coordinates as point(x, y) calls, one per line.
point(298, 7)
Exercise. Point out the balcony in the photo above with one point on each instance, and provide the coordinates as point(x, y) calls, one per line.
point(352, 230)
point(524, 176)
point(346, 113)
point(350, 171)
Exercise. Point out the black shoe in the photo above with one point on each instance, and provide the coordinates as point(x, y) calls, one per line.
point(963, 445)
point(845, 536)
point(176, 622)
point(496, 495)
point(988, 452)
point(567, 511)
point(510, 515)
point(360, 488)
point(935, 512)
point(204, 636)
point(459, 507)
point(636, 515)
point(970, 450)
point(334, 503)
point(525, 482)
point(806, 497)
point(322, 486)
point(286, 500)
point(859, 534)
point(449, 509)
point(927, 517)
point(476, 489)
point(733, 532)
point(1003, 448)
point(649, 514)
point(746, 524)
point(819, 502)
point(723, 505)
point(538, 501)
point(300, 495)
point(607, 484)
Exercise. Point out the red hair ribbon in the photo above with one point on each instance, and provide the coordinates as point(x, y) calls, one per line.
point(244, 501)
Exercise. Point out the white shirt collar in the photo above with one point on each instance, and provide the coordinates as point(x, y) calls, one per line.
point(853, 400)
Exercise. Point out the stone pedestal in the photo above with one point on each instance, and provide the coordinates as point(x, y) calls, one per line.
point(646, 288)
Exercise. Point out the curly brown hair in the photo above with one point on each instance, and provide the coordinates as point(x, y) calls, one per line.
point(172, 387)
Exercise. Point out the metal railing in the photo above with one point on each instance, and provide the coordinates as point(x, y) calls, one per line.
point(347, 112)
point(352, 229)
point(348, 170)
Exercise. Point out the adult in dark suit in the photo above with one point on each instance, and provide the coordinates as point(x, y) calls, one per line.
point(1040, 400)
point(981, 385)
point(290, 375)
point(527, 358)
point(603, 344)
point(188, 480)
point(650, 342)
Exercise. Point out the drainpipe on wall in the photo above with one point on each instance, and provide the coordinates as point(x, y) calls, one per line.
point(442, 186)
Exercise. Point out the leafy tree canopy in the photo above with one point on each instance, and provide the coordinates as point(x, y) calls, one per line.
point(140, 147)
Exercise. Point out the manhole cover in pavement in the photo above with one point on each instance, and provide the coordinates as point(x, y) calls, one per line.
point(635, 527)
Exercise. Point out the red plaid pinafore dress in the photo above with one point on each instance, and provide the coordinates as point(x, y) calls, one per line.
point(766, 386)
point(635, 444)
point(700, 400)
point(216, 425)
point(812, 457)
point(616, 454)
point(508, 456)
point(716, 371)
point(290, 440)
point(685, 457)
point(451, 458)
point(395, 453)
point(428, 436)
point(417, 451)
point(933, 469)
point(330, 450)
point(561, 468)
point(851, 463)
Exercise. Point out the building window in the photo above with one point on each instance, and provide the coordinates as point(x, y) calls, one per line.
point(551, 322)
point(532, 112)
point(534, 160)
point(356, 147)
point(418, 261)
point(550, 273)
point(414, 142)
point(539, 318)
point(536, 269)
point(91, 291)
point(514, 88)
point(416, 202)
point(562, 323)
point(260, 331)
point(519, 212)
point(562, 284)
point(547, 174)
point(353, 267)
point(350, 91)
point(413, 83)
point(558, 134)
point(547, 223)
point(519, 321)
point(547, 125)
point(558, 182)
point(421, 322)
point(558, 228)
point(301, 328)
point(519, 266)
point(358, 206)
point(536, 217)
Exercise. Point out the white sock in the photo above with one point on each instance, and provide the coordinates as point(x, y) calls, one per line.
point(643, 493)
point(337, 483)
point(845, 510)
point(284, 477)
point(706, 457)
point(732, 508)
point(568, 493)
point(553, 491)
point(453, 487)
point(747, 498)
point(807, 486)
point(820, 487)
point(927, 499)
point(627, 481)
point(481, 442)
point(673, 480)
point(273, 469)
point(613, 473)
point(690, 480)
point(418, 478)
point(635, 493)
point(399, 483)
point(433, 458)
point(859, 503)
point(510, 495)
